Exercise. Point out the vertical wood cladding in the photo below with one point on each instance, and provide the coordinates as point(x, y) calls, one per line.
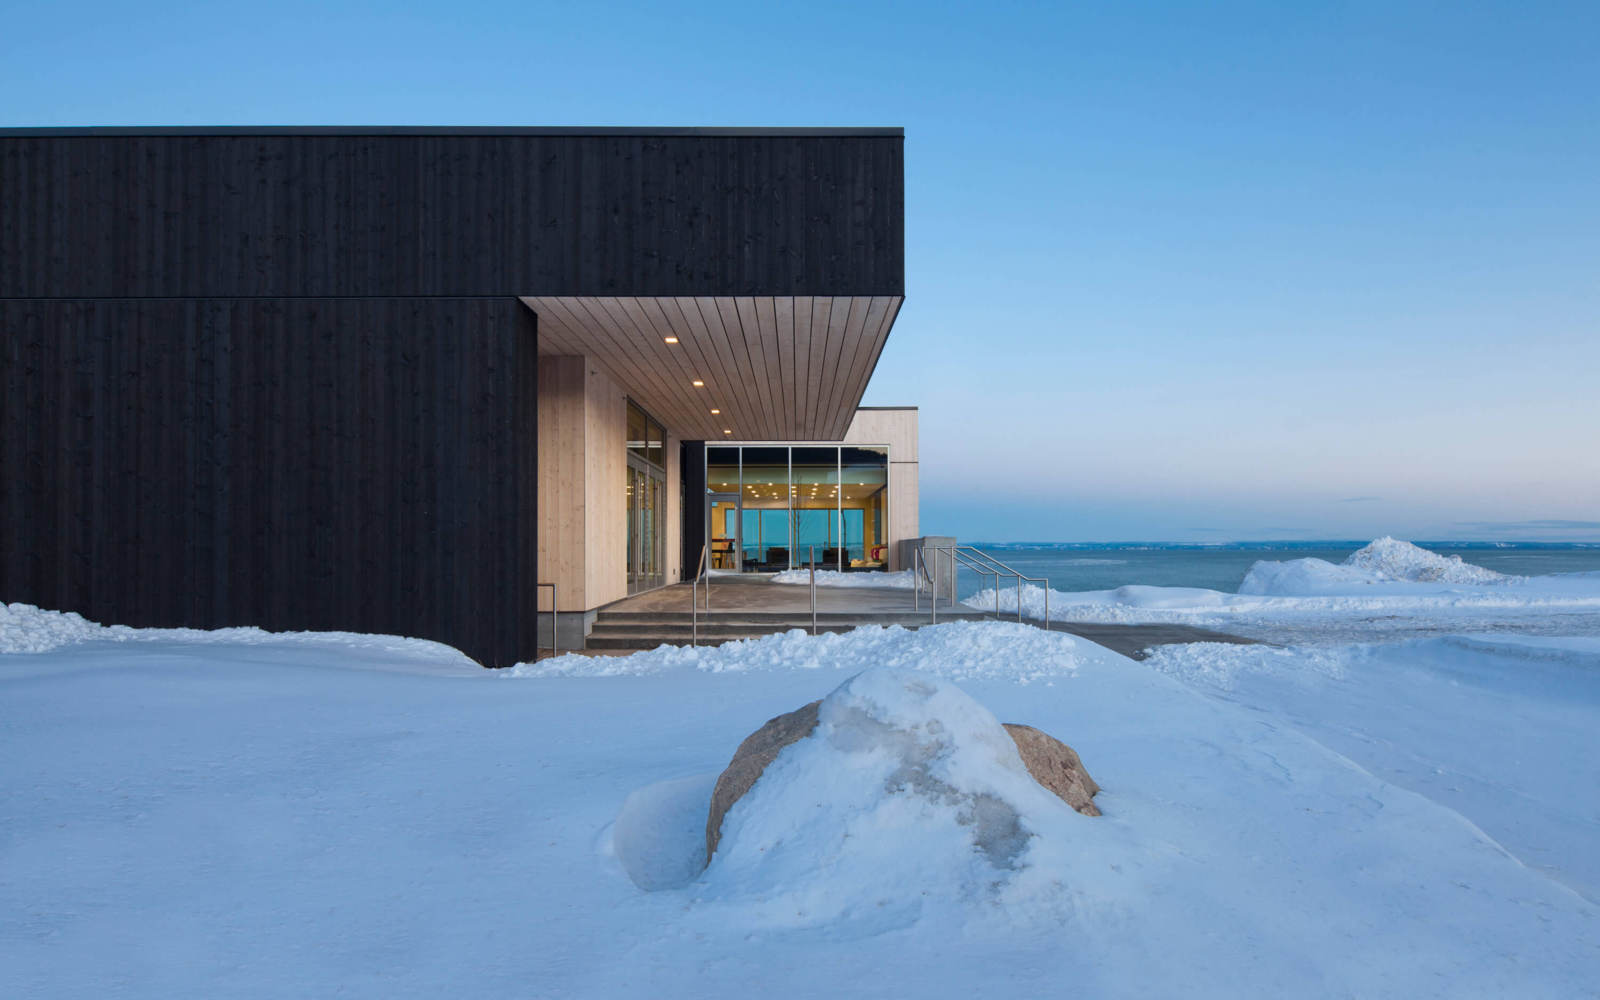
point(359, 465)
point(440, 215)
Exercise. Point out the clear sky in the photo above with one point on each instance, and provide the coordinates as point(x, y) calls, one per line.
point(1186, 272)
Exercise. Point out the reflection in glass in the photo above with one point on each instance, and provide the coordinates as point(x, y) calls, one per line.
point(764, 499)
point(772, 507)
point(864, 488)
point(815, 489)
point(645, 505)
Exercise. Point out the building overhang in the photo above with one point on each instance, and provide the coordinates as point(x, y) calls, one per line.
point(777, 368)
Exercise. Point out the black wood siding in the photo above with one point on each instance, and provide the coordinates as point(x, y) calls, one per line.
point(441, 215)
point(358, 465)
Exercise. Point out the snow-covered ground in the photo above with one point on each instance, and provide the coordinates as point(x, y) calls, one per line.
point(1390, 589)
point(244, 815)
point(900, 580)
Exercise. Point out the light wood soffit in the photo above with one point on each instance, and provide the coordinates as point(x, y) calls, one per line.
point(779, 368)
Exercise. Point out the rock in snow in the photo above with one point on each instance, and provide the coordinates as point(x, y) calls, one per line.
point(1056, 766)
point(917, 740)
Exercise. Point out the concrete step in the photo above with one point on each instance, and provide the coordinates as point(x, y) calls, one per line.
point(647, 641)
point(643, 639)
point(606, 630)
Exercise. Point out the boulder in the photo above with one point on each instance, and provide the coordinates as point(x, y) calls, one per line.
point(1056, 766)
point(1051, 762)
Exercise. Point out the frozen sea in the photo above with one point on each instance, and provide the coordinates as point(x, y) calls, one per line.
point(1302, 592)
point(1084, 566)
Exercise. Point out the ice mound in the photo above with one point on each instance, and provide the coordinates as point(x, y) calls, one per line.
point(907, 793)
point(1384, 561)
point(1393, 559)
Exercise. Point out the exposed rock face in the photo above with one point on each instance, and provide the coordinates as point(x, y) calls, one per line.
point(1056, 766)
point(1051, 762)
point(758, 750)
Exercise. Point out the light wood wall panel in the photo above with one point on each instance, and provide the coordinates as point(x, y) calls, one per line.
point(778, 368)
point(674, 567)
point(563, 475)
point(904, 501)
point(897, 428)
point(606, 462)
point(893, 426)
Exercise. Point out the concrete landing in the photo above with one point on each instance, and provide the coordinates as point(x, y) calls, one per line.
point(1136, 641)
point(744, 592)
point(749, 604)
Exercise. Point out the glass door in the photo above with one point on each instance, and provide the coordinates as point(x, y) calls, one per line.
point(646, 509)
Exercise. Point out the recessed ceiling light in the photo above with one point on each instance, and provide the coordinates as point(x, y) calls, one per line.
point(715, 410)
point(698, 383)
point(670, 340)
point(726, 431)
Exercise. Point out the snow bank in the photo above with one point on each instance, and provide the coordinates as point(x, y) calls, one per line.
point(196, 818)
point(1397, 560)
point(833, 578)
point(28, 629)
point(908, 795)
point(1497, 727)
point(956, 651)
point(1386, 560)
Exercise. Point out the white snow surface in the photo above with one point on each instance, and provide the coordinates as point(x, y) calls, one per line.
point(28, 629)
point(1388, 589)
point(1497, 727)
point(193, 814)
point(900, 580)
point(1386, 560)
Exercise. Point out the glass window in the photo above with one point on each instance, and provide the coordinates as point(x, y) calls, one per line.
point(864, 490)
point(764, 497)
point(638, 430)
point(645, 503)
point(815, 489)
point(655, 444)
point(722, 487)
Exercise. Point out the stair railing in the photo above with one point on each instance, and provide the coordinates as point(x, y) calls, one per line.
point(983, 564)
point(694, 598)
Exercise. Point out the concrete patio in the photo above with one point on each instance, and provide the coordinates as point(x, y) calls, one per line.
point(749, 605)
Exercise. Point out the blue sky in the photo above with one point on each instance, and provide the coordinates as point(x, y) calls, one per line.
point(1174, 271)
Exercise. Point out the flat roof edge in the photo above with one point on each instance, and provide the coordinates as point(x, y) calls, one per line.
point(549, 130)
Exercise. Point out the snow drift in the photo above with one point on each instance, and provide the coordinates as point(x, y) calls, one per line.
point(833, 578)
point(1385, 560)
point(908, 792)
point(194, 816)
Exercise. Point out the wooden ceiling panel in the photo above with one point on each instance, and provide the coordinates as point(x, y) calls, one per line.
point(778, 368)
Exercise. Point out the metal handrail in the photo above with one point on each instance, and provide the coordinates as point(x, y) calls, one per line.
point(694, 598)
point(812, 561)
point(966, 555)
point(555, 618)
point(1020, 578)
